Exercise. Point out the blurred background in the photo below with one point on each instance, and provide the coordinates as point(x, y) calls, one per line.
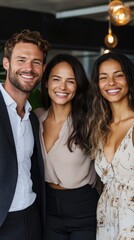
point(78, 27)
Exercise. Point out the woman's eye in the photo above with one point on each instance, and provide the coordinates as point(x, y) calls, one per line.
point(120, 75)
point(70, 81)
point(55, 79)
point(103, 78)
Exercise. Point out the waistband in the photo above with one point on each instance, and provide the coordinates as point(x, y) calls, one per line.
point(21, 213)
point(69, 192)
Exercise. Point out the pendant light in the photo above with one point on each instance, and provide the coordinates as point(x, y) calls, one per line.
point(119, 14)
point(110, 39)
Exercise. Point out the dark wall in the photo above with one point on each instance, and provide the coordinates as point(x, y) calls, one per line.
point(70, 33)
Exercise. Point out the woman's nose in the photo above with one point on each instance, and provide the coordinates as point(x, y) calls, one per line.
point(111, 80)
point(63, 85)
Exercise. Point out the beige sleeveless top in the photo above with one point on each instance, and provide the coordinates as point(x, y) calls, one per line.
point(68, 169)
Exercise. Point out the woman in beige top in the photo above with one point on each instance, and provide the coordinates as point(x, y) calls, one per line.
point(69, 172)
point(112, 126)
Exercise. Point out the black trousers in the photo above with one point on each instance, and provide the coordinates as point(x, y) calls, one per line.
point(71, 214)
point(22, 225)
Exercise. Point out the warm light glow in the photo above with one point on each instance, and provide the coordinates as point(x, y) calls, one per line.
point(119, 13)
point(122, 16)
point(114, 6)
point(106, 51)
point(110, 40)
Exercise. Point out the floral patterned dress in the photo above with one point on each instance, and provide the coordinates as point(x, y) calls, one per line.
point(115, 212)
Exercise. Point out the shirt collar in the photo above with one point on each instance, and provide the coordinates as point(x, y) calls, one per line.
point(10, 102)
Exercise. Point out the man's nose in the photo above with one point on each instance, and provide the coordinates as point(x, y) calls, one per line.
point(28, 65)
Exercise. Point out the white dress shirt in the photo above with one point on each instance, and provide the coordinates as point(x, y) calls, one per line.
point(24, 143)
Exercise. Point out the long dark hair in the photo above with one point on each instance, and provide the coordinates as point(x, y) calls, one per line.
point(80, 102)
point(101, 111)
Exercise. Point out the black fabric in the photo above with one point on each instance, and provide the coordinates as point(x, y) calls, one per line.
point(8, 162)
point(22, 225)
point(75, 235)
point(71, 214)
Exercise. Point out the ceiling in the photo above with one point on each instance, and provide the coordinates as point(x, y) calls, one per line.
point(95, 9)
point(73, 24)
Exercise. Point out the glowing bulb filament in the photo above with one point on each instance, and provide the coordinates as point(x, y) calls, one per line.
point(122, 16)
point(110, 39)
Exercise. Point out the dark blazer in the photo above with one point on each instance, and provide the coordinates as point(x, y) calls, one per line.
point(9, 166)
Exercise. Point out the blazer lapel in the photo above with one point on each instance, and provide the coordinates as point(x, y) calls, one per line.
point(4, 119)
point(8, 162)
point(37, 171)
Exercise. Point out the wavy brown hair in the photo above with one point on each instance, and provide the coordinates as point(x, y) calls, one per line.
point(101, 116)
point(26, 36)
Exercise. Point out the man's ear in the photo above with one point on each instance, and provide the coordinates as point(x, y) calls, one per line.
point(5, 63)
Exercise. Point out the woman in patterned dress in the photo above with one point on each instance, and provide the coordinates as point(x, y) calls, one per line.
point(112, 137)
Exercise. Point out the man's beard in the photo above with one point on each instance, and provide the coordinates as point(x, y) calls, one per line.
point(13, 78)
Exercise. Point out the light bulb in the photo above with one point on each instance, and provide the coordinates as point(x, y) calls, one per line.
point(110, 40)
point(121, 17)
point(114, 6)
